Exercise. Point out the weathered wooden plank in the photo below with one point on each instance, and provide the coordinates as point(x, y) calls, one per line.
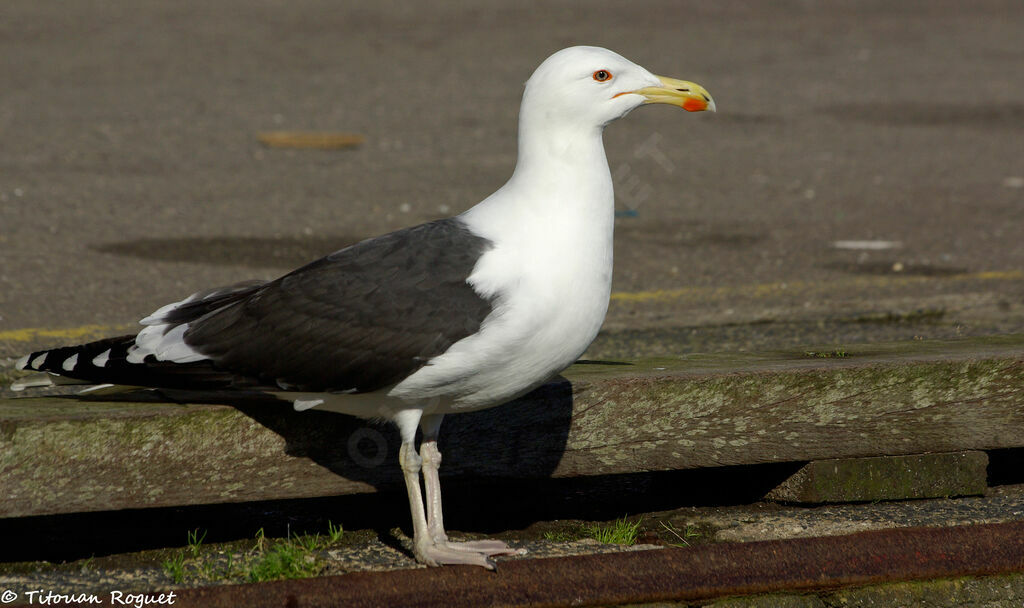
point(886, 478)
point(60, 455)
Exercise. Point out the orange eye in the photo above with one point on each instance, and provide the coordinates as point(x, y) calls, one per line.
point(602, 75)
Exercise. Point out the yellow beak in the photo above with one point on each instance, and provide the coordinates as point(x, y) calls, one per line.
point(689, 96)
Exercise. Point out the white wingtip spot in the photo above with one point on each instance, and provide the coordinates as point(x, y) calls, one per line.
point(33, 381)
point(38, 361)
point(93, 389)
point(101, 359)
point(169, 346)
point(302, 405)
point(22, 363)
point(70, 363)
point(157, 316)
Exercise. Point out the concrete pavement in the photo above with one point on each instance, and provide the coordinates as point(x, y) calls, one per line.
point(131, 174)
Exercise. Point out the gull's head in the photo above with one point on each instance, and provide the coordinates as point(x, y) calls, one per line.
point(594, 86)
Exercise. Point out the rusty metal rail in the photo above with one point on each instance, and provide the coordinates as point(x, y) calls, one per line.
point(690, 574)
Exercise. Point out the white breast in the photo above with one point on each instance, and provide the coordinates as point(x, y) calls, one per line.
point(551, 279)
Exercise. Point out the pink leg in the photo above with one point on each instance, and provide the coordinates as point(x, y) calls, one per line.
point(427, 551)
point(430, 457)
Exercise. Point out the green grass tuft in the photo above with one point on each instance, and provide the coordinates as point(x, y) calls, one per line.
point(175, 567)
point(195, 541)
point(619, 532)
point(292, 557)
point(334, 533)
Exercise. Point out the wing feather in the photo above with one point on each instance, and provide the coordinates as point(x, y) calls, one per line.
point(360, 319)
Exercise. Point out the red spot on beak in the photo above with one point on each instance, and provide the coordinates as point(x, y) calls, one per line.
point(695, 105)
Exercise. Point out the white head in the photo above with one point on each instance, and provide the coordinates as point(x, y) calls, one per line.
point(589, 87)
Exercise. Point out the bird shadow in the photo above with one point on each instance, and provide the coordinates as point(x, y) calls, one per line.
point(525, 438)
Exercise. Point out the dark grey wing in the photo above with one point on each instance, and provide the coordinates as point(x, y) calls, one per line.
point(360, 319)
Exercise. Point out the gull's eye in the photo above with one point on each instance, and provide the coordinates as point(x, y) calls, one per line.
point(602, 75)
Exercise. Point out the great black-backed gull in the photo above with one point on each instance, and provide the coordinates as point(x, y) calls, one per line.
point(450, 316)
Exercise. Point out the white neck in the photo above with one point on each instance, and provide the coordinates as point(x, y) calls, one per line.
point(561, 176)
point(552, 222)
point(550, 266)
